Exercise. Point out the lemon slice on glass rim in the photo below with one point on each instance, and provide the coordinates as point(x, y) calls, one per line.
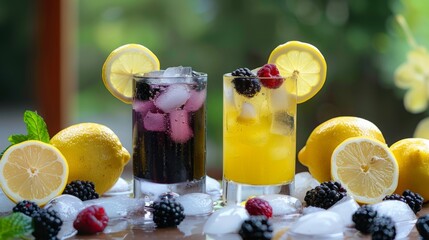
point(302, 62)
point(121, 65)
point(366, 167)
point(33, 170)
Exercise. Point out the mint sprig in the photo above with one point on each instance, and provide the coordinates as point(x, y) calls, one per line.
point(15, 225)
point(36, 130)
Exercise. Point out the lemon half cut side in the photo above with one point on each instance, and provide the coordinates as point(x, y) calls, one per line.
point(121, 65)
point(33, 170)
point(304, 63)
point(367, 169)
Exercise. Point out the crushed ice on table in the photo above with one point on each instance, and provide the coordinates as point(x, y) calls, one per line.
point(303, 182)
point(117, 206)
point(213, 188)
point(401, 214)
point(6, 204)
point(121, 187)
point(173, 97)
point(345, 208)
point(196, 203)
point(318, 225)
point(192, 225)
point(311, 209)
point(283, 204)
point(226, 220)
point(67, 206)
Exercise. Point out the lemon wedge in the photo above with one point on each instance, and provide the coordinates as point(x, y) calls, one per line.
point(302, 62)
point(121, 65)
point(367, 169)
point(33, 170)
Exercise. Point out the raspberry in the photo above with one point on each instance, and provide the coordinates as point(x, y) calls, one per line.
point(270, 76)
point(84, 190)
point(91, 220)
point(256, 227)
point(422, 226)
point(29, 208)
point(257, 206)
point(248, 85)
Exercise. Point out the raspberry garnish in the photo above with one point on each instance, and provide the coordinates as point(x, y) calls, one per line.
point(258, 206)
point(270, 76)
point(92, 219)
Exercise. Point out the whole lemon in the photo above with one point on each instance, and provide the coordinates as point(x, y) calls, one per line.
point(321, 143)
point(93, 153)
point(412, 155)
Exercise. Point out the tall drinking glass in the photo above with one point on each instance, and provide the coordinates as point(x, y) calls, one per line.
point(169, 134)
point(259, 138)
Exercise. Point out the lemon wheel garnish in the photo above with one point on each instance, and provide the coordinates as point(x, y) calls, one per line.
point(121, 65)
point(33, 170)
point(302, 62)
point(367, 169)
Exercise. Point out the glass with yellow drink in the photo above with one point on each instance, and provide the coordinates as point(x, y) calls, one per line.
point(259, 133)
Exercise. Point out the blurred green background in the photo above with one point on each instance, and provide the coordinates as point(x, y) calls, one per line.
point(360, 40)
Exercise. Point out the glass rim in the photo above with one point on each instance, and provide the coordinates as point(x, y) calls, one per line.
point(228, 75)
point(143, 75)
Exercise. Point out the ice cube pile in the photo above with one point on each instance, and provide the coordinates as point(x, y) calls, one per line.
point(165, 102)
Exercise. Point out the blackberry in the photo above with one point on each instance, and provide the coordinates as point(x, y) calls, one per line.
point(247, 86)
point(167, 213)
point(414, 200)
point(256, 227)
point(383, 228)
point(46, 224)
point(395, 197)
point(27, 207)
point(84, 190)
point(364, 218)
point(422, 226)
point(325, 195)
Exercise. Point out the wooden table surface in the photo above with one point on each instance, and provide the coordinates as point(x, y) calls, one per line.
point(191, 228)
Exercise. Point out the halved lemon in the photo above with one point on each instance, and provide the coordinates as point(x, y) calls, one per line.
point(366, 168)
point(302, 62)
point(33, 170)
point(121, 65)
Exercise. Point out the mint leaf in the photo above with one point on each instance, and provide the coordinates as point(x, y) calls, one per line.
point(15, 225)
point(36, 127)
point(17, 138)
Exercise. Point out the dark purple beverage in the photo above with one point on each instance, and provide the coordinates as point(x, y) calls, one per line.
point(169, 133)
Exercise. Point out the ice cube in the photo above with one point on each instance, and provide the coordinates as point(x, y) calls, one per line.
point(228, 94)
point(195, 101)
point(318, 224)
point(283, 204)
point(6, 204)
point(303, 183)
point(158, 73)
point(247, 112)
point(143, 107)
point(155, 122)
point(311, 209)
point(115, 207)
point(196, 203)
point(226, 220)
point(192, 225)
point(173, 97)
point(178, 72)
point(280, 99)
point(282, 123)
point(180, 130)
point(121, 187)
point(213, 188)
point(401, 214)
point(67, 206)
point(346, 207)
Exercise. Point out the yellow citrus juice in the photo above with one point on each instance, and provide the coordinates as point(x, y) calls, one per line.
point(259, 136)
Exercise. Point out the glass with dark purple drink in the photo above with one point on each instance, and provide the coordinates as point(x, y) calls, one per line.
point(169, 132)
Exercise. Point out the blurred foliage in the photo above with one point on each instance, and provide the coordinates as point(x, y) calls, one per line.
point(362, 44)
